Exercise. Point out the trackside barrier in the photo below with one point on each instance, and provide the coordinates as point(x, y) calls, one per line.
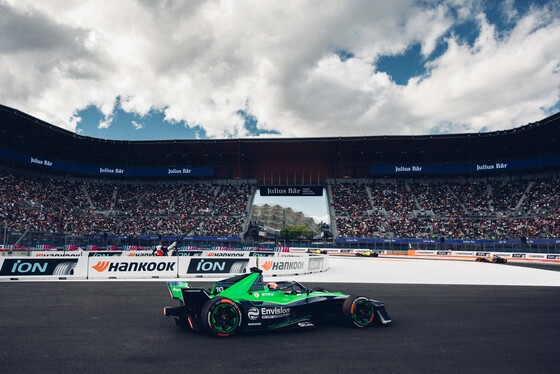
point(93, 265)
point(122, 267)
point(281, 264)
point(334, 250)
point(528, 256)
point(27, 267)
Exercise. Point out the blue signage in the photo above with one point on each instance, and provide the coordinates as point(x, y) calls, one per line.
point(100, 170)
point(533, 163)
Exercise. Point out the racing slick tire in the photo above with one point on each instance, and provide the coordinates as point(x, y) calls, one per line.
point(65, 268)
point(359, 311)
point(221, 316)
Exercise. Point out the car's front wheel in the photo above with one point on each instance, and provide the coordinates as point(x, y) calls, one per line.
point(359, 311)
point(221, 316)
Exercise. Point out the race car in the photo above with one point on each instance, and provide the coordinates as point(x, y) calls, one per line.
point(317, 251)
point(494, 259)
point(368, 253)
point(245, 303)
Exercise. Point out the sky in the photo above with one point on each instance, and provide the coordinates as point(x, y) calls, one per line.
point(139, 70)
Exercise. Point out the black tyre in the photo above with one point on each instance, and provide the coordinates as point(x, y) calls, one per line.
point(359, 311)
point(221, 316)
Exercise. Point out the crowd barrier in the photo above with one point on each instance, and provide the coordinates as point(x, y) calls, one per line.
point(142, 265)
point(474, 254)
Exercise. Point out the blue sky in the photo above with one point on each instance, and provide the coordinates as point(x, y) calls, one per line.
point(141, 70)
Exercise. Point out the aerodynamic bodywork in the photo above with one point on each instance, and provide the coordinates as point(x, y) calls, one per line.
point(245, 303)
point(494, 259)
point(317, 251)
point(368, 253)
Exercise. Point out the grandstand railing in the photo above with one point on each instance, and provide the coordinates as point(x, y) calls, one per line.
point(40, 240)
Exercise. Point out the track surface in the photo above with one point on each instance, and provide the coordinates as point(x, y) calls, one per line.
point(110, 327)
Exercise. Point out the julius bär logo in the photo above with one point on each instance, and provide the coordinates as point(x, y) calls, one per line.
point(101, 266)
point(267, 265)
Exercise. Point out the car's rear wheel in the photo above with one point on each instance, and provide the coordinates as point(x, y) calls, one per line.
point(359, 311)
point(221, 316)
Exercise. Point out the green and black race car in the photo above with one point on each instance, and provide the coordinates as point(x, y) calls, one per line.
point(245, 303)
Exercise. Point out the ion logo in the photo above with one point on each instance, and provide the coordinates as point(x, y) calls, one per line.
point(253, 313)
point(209, 265)
point(28, 267)
point(38, 267)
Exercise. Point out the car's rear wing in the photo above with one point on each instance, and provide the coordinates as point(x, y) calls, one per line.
point(195, 298)
point(175, 289)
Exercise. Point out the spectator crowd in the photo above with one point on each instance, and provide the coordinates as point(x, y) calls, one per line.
point(95, 208)
point(484, 209)
point(471, 210)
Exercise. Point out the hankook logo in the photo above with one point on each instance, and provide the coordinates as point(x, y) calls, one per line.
point(102, 266)
point(226, 254)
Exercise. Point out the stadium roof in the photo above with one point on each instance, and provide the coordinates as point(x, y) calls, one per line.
point(274, 160)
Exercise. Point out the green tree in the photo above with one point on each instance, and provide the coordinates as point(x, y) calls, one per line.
point(295, 232)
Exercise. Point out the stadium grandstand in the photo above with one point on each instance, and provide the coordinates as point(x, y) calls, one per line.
point(498, 190)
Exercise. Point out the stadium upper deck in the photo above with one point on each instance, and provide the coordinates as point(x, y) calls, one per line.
point(27, 142)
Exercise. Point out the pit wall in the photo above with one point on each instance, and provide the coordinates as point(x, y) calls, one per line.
point(142, 265)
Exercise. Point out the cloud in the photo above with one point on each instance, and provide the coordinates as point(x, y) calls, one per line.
point(137, 125)
point(204, 62)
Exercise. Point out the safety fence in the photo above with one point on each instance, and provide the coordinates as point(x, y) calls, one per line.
point(142, 265)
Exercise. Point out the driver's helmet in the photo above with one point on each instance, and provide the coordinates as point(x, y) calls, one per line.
point(272, 286)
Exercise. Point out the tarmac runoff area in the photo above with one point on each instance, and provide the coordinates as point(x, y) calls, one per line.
point(422, 271)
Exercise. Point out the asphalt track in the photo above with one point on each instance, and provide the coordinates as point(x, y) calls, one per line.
point(118, 327)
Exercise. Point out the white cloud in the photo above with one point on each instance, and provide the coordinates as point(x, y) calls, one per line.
point(137, 125)
point(201, 62)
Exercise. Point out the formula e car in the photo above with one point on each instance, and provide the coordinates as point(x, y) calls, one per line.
point(245, 303)
point(495, 259)
point(368, 253)
point(317, 251)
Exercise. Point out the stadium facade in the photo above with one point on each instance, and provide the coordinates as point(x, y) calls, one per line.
point(31, 146)
point(27, 142)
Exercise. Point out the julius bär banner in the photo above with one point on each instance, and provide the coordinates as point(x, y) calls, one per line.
point(291, 190)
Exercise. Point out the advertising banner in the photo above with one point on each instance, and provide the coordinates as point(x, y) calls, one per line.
point(466, 168)
point(286, 265)
point(21, 267)
point(229, 254)
point(291, 190)
point(112, 170)
point(189, 253)
point(55, 254)
point(132, 267)
point(210, 265)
